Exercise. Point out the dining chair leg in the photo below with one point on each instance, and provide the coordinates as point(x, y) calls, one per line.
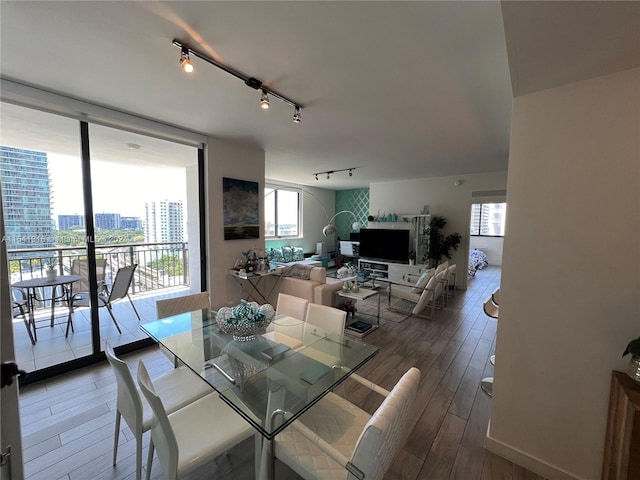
point(257, 454)
point(139, 456)
point(116, 436)
point(149, 460)
point(113, 318)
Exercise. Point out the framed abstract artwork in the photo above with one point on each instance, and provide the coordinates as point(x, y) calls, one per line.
point(241, 209)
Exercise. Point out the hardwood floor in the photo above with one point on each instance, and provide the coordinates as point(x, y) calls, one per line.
point(67, 422)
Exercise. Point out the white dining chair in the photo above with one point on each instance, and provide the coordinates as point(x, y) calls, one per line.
point(328, 318)
point(186, 303)
point(178, 388)
point(288, 331)
point(295, 307)
point(193, 435)
point(337, 439)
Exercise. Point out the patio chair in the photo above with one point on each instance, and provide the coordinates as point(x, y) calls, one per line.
point(80, 266)
point(119, 290)
point(20, 306)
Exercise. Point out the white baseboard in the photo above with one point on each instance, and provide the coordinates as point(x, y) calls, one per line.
point(525, 460)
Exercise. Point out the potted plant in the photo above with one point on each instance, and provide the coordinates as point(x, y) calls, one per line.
point(633, 348)
point(52, 273)
point(412, 257)
point(439, 244)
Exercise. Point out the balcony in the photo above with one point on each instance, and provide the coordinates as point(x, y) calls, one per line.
point(162, 273)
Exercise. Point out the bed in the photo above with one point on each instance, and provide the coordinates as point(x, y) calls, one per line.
point(477, 261)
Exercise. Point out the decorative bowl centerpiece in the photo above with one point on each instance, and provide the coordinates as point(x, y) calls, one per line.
point(246, 320)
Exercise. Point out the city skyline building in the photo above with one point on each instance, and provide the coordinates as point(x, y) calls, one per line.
point(70, 222)
point(26, 197)
point(107, 221)
point(163, 222)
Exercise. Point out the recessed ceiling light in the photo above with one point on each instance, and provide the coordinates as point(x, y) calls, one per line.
point(133, 146)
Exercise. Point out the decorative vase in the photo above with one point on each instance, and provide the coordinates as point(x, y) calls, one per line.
point(634, 368)
point(412, 261)
point(52, 275)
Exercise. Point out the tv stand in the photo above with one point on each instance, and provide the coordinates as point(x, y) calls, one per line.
point(395, 272)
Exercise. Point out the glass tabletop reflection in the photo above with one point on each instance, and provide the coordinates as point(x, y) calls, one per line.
point(267, 383)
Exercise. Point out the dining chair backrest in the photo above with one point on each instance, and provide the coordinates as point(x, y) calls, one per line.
point(80, 266)
point(129, 403)
point(385, 431)
point(187, 303)
point(162, 435)
point(122, 282)
point(328, 318)
point(295, 307)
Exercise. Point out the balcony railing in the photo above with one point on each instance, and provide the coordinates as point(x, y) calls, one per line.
point(160, 265)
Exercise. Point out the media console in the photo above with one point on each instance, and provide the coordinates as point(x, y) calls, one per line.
point(395, 272)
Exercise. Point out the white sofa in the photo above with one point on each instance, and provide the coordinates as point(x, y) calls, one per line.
point(315, 290)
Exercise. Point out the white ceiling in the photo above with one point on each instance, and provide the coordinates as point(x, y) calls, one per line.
point(398, 89)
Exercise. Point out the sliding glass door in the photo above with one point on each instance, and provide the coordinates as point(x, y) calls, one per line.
point(90, 203)
point(41, 172)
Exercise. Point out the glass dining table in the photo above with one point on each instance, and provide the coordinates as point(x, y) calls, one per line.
point(269, 384)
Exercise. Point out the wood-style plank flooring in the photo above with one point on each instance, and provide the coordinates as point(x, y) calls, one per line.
point(67, 422)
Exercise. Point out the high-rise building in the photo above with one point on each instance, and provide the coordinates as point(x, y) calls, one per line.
point(163, 222)
point(26, 198)
point(131, 222)
point(70, 222)
point(107, 221)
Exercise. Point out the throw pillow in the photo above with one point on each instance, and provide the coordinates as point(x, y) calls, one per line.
point(422, 281)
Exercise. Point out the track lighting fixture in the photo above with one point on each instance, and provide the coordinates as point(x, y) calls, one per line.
point(329, 172)
point(185, 61)
point(187, 66)
point(264, 100)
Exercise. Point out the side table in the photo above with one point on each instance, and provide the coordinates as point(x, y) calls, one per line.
point(362, 294)
point(622, 442)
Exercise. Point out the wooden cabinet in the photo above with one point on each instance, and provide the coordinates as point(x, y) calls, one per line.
point(622, 441)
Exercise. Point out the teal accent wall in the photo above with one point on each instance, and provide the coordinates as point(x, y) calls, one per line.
point(356, 201)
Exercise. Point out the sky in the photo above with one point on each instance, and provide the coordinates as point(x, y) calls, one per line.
point(117, 188)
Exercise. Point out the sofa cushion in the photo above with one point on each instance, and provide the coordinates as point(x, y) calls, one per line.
point(422, 281)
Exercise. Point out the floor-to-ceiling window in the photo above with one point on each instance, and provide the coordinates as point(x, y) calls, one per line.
point(76, 194)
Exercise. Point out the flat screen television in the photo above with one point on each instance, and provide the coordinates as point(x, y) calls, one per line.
point(383, 244)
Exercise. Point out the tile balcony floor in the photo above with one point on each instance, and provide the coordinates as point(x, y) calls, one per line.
point(52, 347)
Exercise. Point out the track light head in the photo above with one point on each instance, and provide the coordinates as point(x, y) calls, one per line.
point(264, 100)
point(350, 173)
point(185, 61)
point(328, 176)
point(296, 115)
point(317, 177)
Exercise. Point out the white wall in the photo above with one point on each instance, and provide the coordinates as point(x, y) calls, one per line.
point(491, 246)
point(444, 198)
point(569, 300)
point(233, 160)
